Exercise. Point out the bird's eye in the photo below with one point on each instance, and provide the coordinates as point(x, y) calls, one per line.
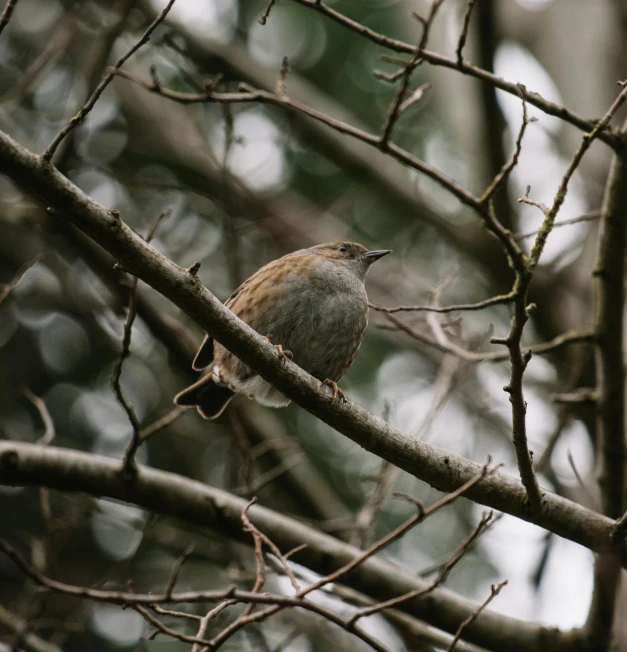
point(342, 248)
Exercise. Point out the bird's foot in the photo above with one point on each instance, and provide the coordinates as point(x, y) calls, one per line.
point(284, 353)
point(336, 390)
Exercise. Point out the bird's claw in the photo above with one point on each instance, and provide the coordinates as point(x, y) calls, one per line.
point(284, 353)
point(336, 390)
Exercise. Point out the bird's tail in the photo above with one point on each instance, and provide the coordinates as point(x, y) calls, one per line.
point(209, 398)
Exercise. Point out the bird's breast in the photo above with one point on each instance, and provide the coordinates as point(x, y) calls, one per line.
point(324, 330)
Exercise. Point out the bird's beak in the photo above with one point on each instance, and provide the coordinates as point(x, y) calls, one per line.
point(375, 254)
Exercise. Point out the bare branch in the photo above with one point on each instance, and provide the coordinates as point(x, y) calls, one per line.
point(161, 423)
point(394, 111)
point(486, 303)
point(6, 13)
point(416, 96)
point(608, 135)
point(513, 162)
point(464, 33)
point(560, 195)
point(364, 521)
point(442, 575)
point(46, 419)
point(565, 339)
point(128, 463)
point(495, 589)
point(95, 96)
point(422, 513)
point(176, 569)
point(443, 469)
point(200, 503)
point(266, 12)
point(588, 217)
point(247, 94)
point(9, 287)
point(609, 273)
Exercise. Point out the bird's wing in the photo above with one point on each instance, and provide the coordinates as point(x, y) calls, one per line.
point(248, 292)
point(204, 357)
point(241, 301)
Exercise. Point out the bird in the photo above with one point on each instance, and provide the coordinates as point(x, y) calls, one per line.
point(312, 306)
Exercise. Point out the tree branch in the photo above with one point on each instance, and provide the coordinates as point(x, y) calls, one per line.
point(247, 95)
point(609, 273)
point(442, 469)
point(6, 13)
point(608, 136)
point(199, 503)
point(95, 96)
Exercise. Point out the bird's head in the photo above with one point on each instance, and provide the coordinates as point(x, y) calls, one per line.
point(351, 255)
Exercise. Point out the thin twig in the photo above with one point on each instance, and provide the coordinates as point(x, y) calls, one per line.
point(581, 395)
point(145, 612)
point(364, 521)
point(6, 14)
point(437, 567)
point(129, 466)
point(95, 96)
point(394, 111)
point(174, 613)
point(442, 575)
point(204, 623)
point(46, 419)
point(10, 286)
point(176, 569)
point(161, 423)
point(416, 96)
point(281, 84)
point(464, 33)
point(266, 12)
point(495, 589)
point(269, 476)
point(398, 532)
point(567, 338)
point(588, 217)
point(506, 170)
point(608, 135)
point(480, 305)
point(247, 95)
point(249, 527)
point(560, 195)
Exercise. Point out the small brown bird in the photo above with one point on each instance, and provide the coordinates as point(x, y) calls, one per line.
point(311, 304)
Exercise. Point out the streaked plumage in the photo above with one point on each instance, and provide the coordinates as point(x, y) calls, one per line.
point(312, 302)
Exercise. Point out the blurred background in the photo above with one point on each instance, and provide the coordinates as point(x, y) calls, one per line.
point(244, 184)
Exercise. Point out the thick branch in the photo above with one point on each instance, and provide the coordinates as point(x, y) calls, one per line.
point(610, 272)
point(443, 470)
point(199, 503)
point(610, 389)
